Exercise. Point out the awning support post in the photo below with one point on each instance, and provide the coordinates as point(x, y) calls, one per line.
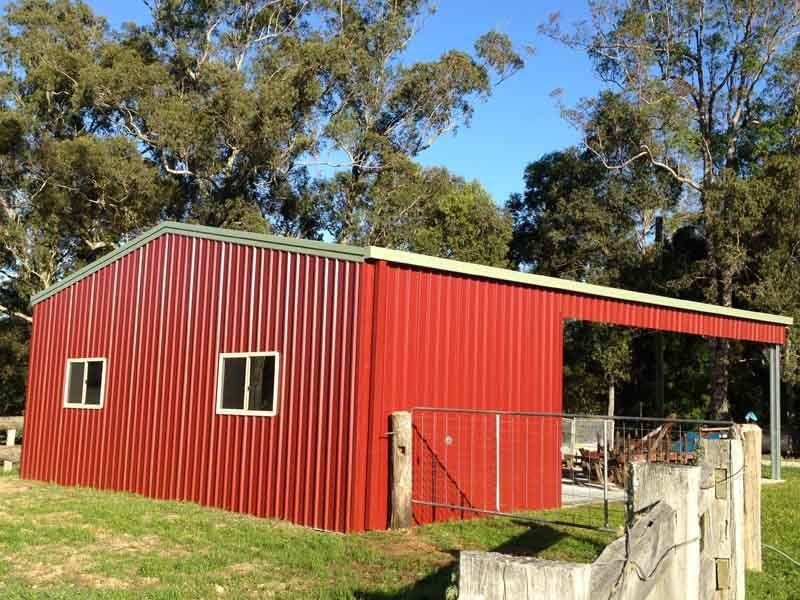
point(775, 410)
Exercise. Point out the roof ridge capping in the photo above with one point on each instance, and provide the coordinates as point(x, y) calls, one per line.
point(315, 247)
point(567, 285)
point(311, 247)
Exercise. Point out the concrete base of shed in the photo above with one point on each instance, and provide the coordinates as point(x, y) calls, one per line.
point(577, 494)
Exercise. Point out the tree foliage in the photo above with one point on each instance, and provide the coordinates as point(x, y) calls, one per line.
point(577, 220)
point(300, 117)
point(695, 76)
point(423, 210)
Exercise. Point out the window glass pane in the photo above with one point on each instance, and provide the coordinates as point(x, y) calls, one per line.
point(262, 382)
point(94, 382)
point(233, 383)
point(75, 384)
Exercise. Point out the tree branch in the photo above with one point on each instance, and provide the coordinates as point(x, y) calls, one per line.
point(15, 314)
point(655, 162)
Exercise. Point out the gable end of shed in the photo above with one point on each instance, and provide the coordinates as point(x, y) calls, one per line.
point(295, 245)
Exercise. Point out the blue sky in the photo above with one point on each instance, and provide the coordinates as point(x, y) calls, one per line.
point(520, 122)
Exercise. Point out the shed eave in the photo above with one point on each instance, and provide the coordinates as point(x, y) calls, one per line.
point(312, 247)
point(566, 285)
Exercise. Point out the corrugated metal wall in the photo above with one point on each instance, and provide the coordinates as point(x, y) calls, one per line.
point(446, 340)
point(615, 312)
point(161, 315)
point(357, 342)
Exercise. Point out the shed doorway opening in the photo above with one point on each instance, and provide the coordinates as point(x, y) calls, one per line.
point(635, 372)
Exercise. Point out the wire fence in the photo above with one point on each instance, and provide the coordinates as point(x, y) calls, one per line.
point(560, 468)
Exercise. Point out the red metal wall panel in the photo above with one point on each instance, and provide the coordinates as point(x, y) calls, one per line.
point(444, 340)
point(616, 312)
point(440, 339)
point(161, 315)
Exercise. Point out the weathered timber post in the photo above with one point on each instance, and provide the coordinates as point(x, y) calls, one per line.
point(751, 440)
point(401, 470)
point(11, 436)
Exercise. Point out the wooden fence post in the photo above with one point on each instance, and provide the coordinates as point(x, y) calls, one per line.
point(751, 443)
point(11, 436)
point(401, 470)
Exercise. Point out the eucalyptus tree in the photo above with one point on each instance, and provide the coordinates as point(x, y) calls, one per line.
point(384, 112)
point(429, 211)
point(225, 112)
point(300, 117)
point(249, 104)
point(695, 72)
point(69, 188)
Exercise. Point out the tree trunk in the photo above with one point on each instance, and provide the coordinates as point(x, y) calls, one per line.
point(720, 363)
point(720, 353)
point(611, 399)
point(609, 425)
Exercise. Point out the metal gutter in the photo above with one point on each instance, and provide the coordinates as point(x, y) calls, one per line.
point(566, 285)
point(312, 247)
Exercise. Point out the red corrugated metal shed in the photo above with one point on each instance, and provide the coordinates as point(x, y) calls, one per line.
point(361, 332)
point(161, 315)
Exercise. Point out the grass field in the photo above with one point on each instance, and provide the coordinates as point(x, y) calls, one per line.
point(780, 527)
point(58, 542)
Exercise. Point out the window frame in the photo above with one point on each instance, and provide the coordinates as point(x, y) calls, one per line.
point(70, 361)
point(221, 379)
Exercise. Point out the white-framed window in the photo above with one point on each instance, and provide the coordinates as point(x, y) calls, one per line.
point(248, 384)
point(85, 383)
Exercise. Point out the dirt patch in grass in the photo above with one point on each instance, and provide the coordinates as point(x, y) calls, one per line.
point(68, 562)
point(41, 573)
point(244, 568)
point(11, 485)
point(64, 565)
point(64, 516)
point(111, 543)
point(409, 556)
point(267, 589)
point(261, 583)
point(405, 543)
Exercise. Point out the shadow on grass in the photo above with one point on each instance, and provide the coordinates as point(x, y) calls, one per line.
point(535, 539)
point(432, 587)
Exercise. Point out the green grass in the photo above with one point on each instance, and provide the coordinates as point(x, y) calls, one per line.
point(13, 473)
point(780, 527)
point(60, 542)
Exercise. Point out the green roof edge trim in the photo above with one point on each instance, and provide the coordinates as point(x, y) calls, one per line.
point(567, 285)
point(359, 254)
point(311, 247)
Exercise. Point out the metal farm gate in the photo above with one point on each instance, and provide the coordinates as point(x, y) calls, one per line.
point(551, 467)
point(483, 462)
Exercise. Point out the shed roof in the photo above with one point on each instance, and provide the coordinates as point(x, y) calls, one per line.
point(362, 253)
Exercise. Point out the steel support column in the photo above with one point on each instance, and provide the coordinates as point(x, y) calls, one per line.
point(775, 410)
